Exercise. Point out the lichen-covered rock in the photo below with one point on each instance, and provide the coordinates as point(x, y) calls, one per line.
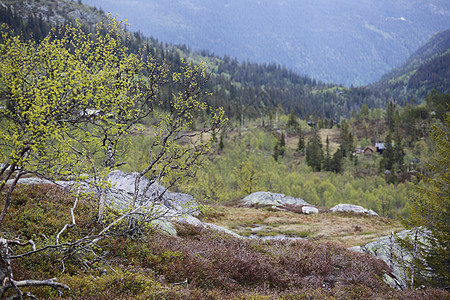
point(309, 210)
point(167, 226)
point(271, 199)
point(174, 207)
point(221, 229)
point(387, 249)
point(125, 182)
point(352, 208)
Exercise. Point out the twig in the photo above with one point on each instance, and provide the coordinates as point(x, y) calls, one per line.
point(72, 215)
point(180, 283)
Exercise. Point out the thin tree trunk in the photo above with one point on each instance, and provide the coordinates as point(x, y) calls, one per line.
point(8, 197)
point(101, 205)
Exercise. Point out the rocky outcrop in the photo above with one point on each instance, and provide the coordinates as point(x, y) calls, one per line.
point(170, 207)
point(353, 208)
point(174, 207)
point(271, 199)
point(387, 249)
point(125, 184)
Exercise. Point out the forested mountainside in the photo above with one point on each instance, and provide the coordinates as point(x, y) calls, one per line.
point(242, 88)
point(250, 89)
point(427, 69)
point(348, 41)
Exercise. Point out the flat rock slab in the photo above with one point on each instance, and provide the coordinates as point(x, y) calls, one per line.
point(353, 208)
point(271, 199)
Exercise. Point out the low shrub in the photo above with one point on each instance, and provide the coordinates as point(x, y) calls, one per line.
point(198, 264)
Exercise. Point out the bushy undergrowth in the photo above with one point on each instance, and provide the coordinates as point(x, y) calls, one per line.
point(198, 264)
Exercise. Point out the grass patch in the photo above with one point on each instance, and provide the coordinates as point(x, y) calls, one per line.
point(347, 229)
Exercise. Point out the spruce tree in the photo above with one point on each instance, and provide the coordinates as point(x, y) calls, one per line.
point(387, 163)
point(275, 152)
point(292, 123)
point(282, 145)
point(221, 144)
point(430, 215)
point(336, 161)
point(346, 140)
point(398, 155)
point(314, 152)
point(327, 160)
point(301, 141)
point(390, 118)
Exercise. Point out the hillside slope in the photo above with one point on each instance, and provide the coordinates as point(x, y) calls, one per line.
point(242, 88)
point(348, 42)
point(427, 69)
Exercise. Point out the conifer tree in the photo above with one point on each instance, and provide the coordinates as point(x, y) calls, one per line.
point(327, 160)
point(301, 141)
point(390, 116)
point(314, 152)
point(221, 144)
point(430, 215)
point(275, 152)
point(292, 123)
point(387, 163)
point(282, 145)
point(336, 161)
point(398, 154)
point(346, 139)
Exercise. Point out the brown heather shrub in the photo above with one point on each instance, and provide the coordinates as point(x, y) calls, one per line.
point(216, 265)
point(436, 294)
point(213, 261)
point(216, 260)
point(307, 258)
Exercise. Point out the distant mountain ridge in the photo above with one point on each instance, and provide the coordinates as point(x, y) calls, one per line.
point(348, 41)
point(241, 88)
point(427, 69)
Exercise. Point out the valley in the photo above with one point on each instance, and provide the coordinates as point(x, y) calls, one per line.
point(134, 168)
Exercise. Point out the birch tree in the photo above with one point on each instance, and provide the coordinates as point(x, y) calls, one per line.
point(64, 105)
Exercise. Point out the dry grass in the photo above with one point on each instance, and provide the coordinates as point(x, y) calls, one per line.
point(333, 136)
point(344, 228)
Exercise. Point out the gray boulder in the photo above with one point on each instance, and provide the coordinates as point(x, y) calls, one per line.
point(309, 210)
point(173, 207)
point(387, 249)
point(352, 208)
point(271, 199)
point(372, 213)
point(125, 183)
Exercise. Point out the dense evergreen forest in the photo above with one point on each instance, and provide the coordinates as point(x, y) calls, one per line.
point(425, 70)
point(239, 87)
point(251, 89)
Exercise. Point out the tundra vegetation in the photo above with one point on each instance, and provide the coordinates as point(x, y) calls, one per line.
point(81, 102)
